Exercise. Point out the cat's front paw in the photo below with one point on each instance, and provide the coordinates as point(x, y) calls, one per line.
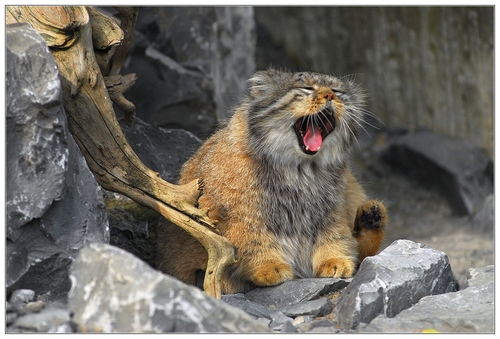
point(336, 267)
point(369, 228)
point(271, 274)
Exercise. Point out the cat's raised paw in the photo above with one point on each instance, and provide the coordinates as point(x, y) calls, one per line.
point(371, 216)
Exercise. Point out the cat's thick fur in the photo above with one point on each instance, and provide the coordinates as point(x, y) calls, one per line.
point(278, 182)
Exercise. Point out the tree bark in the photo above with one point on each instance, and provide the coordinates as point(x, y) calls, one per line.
point(72, 34)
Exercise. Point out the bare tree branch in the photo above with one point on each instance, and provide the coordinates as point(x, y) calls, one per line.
point(70, 34)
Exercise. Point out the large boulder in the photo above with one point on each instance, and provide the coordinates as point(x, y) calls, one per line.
point(37, 150)
point(454, 167)
point(114, 291)
point(394, 280)
point(54, 205)
point(469, 310)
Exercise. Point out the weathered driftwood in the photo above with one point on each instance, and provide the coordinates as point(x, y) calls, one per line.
point(116, 86)
point(73, 37)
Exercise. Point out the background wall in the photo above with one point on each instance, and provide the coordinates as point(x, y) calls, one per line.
point(423, 67)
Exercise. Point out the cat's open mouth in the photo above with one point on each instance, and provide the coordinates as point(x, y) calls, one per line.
point(312, 130)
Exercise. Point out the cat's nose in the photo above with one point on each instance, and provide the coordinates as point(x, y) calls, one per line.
point(329, 95)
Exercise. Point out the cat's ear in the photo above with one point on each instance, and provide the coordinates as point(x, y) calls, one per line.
point(259, 83)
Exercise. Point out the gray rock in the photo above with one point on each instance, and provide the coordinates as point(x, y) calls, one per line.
point(129, 233)
point(49, 320)
point(281, 311)
point(468, 310)
point(21, 297)
point(318, 308)
point(34, 306)
point(80, 217)
point(394, 280)
point(162, 150)
point(303, 319)
point(254, 309)
point(481, 276)
point(189, 104)
point(37, 151)
point(303, 290)
point(278, 320)
point(54, 204)
point(456, 168)
point(193, 63)
point(30, 255)
point(288, 328)
point(10, 318)
point(264, 321)
point(320, 326)
point(113, 291)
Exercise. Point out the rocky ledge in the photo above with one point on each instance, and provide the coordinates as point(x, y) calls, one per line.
point(408, 287)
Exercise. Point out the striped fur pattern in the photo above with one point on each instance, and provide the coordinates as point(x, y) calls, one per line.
point(277, 180)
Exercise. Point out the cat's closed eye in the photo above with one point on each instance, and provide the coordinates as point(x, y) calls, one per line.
point(307, 89)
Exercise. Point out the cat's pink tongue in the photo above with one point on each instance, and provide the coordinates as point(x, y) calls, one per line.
point(312, 138)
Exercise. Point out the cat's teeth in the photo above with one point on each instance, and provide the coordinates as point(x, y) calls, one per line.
point(307, 148)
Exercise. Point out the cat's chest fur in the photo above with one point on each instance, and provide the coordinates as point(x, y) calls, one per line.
point(298, 203)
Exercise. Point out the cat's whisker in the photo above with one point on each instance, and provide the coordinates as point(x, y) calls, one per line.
point(371, 114)
point(310, 120)
point(323, 120)
point(358, 120)
point(371, 125)
point(351, 132)
point(317, 121)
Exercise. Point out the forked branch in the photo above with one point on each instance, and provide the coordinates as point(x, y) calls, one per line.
point(71, 34)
